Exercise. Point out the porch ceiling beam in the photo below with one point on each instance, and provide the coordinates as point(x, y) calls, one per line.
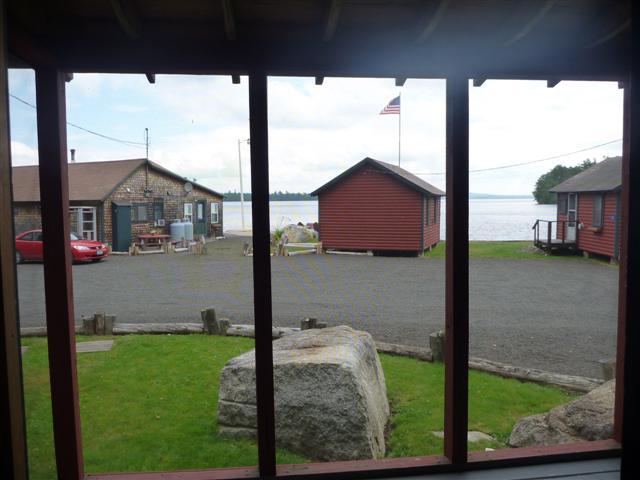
point(611, 35)
point(126, 18)
point(58, 283)
point(478, 82)
point(532, 23)
point(319, 80)
point(553, 82)
point(400, 81)
point(229, 20)
point(331, 24)
point(68, 76)
point(456, 360)
point(151, 77)
point(433, 21)
point(235, 79)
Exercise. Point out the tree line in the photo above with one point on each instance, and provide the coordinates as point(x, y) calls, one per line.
point(275, 196)
point(553, 177)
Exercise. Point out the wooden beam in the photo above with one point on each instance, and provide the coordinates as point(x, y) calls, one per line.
point(68, 76)
point(331, 23)
point(229, 20)
point(259, 133)
point(400, 81)
point(621, 84)
point(433, 21)
point(235, 79)
point(126, 18)
point(13, 456)
point(532, 23)
point(478, 82)
point(627, 414)
point(58, 284)
point(553, 83)
point(151, 77)
point(456, 357)
point(319, 80)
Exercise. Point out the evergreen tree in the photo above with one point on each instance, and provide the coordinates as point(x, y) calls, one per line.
point(553, 177)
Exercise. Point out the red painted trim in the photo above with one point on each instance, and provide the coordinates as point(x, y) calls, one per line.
point(58, 284)
point(211, 474)
point(456, 355)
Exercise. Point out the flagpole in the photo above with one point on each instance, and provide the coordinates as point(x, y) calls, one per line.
point(399, 125)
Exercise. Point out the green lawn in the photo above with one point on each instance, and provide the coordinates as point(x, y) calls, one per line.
point(150, 403)
point(504, 249)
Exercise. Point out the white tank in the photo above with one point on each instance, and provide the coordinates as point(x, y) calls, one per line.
point(188, 231)
point(178, 231)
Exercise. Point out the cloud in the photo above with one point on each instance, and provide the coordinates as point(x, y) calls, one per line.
point(22, 154)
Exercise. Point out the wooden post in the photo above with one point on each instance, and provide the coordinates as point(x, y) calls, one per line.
point(626, 414)
point(457, 272)
point(13, 456)
point(54, 200)
point(209, 321)
point(258, 128)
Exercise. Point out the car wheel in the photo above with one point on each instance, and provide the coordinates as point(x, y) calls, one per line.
point(18, 257)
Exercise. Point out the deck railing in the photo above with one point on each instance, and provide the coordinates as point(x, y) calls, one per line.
point(548, 231)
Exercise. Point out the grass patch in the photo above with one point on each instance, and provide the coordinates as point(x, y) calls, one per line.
point(505, 250)
point(150, 403)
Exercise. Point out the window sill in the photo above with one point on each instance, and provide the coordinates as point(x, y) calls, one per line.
point(595, 229)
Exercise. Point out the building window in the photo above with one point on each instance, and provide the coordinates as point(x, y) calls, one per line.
point(437, 211)
point(139, 212)
point(83, 222)
point(158, 209)
point(214, 213)
point(562, 203)
point(200, 215)
point(188, 212)
point(597, 214)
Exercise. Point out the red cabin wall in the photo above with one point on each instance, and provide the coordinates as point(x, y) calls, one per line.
point(601, 242)
point(371, 210)
point(431, 221)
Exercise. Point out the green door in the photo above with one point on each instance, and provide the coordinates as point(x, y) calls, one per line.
point(200, 223)
point(121, 229)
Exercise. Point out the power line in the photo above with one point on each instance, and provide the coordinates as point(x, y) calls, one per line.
point(502, 167)
point(107, 137)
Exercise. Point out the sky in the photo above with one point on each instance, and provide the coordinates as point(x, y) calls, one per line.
point(316, 132)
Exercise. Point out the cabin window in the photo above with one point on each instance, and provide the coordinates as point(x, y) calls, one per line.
point(427, 201)
point(188, 212)
point(214, 212)
point(597, 218)
point(562, 203)
point(436, 203)
point(158, 209)
point(139, 212)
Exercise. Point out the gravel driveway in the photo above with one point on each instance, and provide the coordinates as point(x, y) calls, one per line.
point(557, 315)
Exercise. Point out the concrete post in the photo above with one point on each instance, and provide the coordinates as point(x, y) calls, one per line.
point(436, 343)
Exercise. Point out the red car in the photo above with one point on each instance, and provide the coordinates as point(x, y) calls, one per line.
point(29, 247)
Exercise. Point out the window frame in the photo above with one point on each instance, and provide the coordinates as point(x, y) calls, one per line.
point(215, 210)
point(186, 215)
point(597, 221)
point(136, 208)
point(59, 301)
point(563, 203)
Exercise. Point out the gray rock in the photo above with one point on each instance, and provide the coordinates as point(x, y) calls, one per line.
point(330, 395)
point(299, 234)
point(589, 417)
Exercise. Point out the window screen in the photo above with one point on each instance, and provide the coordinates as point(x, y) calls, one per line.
point(598, 211)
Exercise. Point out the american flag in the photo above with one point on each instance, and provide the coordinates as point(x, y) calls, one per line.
point(392, 108)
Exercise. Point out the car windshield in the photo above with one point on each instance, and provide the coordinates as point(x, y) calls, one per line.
point(74, 237)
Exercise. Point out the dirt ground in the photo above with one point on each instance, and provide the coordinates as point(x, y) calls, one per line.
point(554, 314)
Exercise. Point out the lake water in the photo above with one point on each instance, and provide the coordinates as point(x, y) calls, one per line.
point(502, 219)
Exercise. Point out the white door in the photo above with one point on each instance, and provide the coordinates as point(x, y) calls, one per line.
point(83, 222)
point(572, 217)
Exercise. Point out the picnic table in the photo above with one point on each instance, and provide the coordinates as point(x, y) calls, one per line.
point(152, 240)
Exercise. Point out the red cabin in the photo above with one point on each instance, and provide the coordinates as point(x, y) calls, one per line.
point(379, 207)
point(589, 208)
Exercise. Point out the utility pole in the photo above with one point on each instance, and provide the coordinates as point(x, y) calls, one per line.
point(146, 141)
point(241, 188)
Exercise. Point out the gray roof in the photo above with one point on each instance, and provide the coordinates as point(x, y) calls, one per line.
point(602, 177)
point(400, 173)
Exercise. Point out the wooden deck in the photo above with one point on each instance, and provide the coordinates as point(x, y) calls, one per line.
point(545, 237)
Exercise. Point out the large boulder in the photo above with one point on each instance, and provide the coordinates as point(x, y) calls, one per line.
point(589, 417)
point(300, 234)
point(330, 395)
